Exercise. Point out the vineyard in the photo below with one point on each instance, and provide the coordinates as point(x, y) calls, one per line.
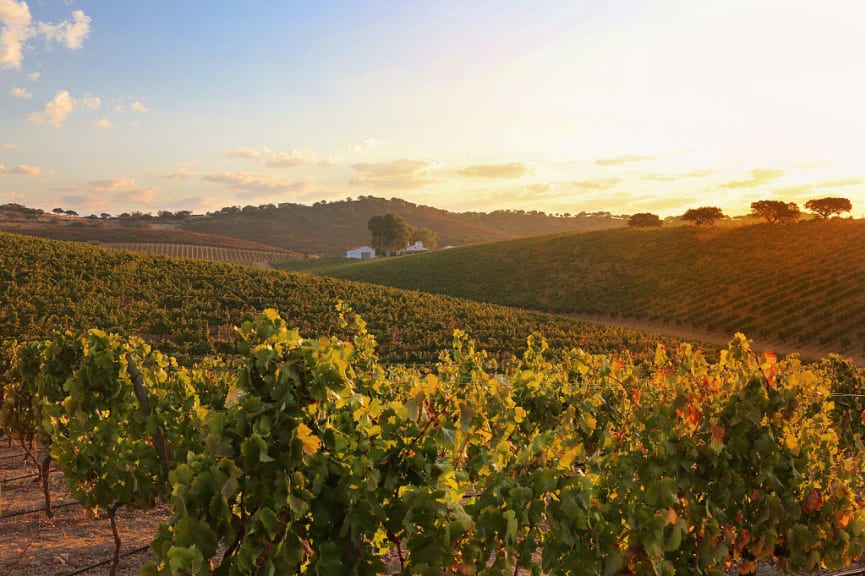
point(796, 284)
point(189, 307)
point(309, 456)
point(212, 253)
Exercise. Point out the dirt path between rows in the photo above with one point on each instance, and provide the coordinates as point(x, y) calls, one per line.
point(807, 352)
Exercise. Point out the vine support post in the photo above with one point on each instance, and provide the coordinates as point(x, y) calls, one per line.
point(43, 472)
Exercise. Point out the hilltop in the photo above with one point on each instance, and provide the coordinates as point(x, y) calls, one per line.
point(799, 285)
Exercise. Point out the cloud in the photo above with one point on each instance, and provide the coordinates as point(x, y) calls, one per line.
point(17, 27)
point(402, 173)
point(622, 159)
point(256, 185)
point(759, 176)
point(20, 170)
point(595, 184)
point(254, 154)
point(59, 107)
point(365, 145)
point(294, 158)
point(839, 182)
point(103, 123)
point(34, 76)
point(20, 93)
point(813, 188)
point(10, 146)
point(139, 107)
point(70, 33)
point(90, 102)
point(123, 189)
point(180, 174)
point(512, 170)
point(679, 176)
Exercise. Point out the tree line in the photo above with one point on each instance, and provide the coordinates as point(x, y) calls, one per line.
point(774, 211)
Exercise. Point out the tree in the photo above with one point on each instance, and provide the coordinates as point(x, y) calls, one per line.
point(776, 211)
point(644, 220)
point(825, 207)
point(390, 233)
point(71, 213)
point(58, 210)
point(426, 235)
point(704, 215)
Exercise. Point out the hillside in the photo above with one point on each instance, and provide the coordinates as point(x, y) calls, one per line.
point(797, 284)
point(334, 227)
point(115, 231)
point(190, 306)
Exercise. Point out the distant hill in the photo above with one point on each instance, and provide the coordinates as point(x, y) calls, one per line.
point(324, 228)
point(801, 284)
point(334, 227)
point(116, 232)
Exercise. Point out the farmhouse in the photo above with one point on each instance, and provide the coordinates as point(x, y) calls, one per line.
point(362, 253)
point(415, 248)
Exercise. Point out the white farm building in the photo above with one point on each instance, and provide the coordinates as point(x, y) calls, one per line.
point(362, 253)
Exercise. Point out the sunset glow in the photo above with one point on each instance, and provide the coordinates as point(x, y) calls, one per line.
point(623, 106)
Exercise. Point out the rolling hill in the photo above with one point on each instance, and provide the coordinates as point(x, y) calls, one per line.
point(797, 284)
point(191, 307)
point(334, 227)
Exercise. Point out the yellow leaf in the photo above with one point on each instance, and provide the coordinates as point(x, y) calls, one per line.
point(311, 443)
point(672, 517)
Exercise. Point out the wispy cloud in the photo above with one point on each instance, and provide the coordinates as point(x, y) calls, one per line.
point(759, 177)
point(70, 33)
point(510, 170)
point(103, 123)
point(811, 189)
point(294, 158)
point(20, 93)
point(59, 107)
point(123, 189)
point(594, 184)
point(20, 170)
point(17, 28)
point(138, 107)
point(679, 176)
point(254, 154)
point(180, 174)
point(365, 145)
point(256, 185)
point(402, 173)
point(622, 159)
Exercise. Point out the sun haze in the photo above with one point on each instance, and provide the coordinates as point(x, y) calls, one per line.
point(624, 106)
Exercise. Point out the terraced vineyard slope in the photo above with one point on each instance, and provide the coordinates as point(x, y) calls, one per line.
point(799, 284)
point(188, 306)
point(212, 253)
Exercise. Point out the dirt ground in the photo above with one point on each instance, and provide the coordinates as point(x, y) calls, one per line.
point(33, 545)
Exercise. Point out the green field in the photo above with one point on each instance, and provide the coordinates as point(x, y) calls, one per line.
point(800, 284)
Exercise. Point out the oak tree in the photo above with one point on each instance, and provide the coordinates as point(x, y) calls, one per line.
point(825, 207)
point(776, 211)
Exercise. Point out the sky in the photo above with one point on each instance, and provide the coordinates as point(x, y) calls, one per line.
point(585, 105)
